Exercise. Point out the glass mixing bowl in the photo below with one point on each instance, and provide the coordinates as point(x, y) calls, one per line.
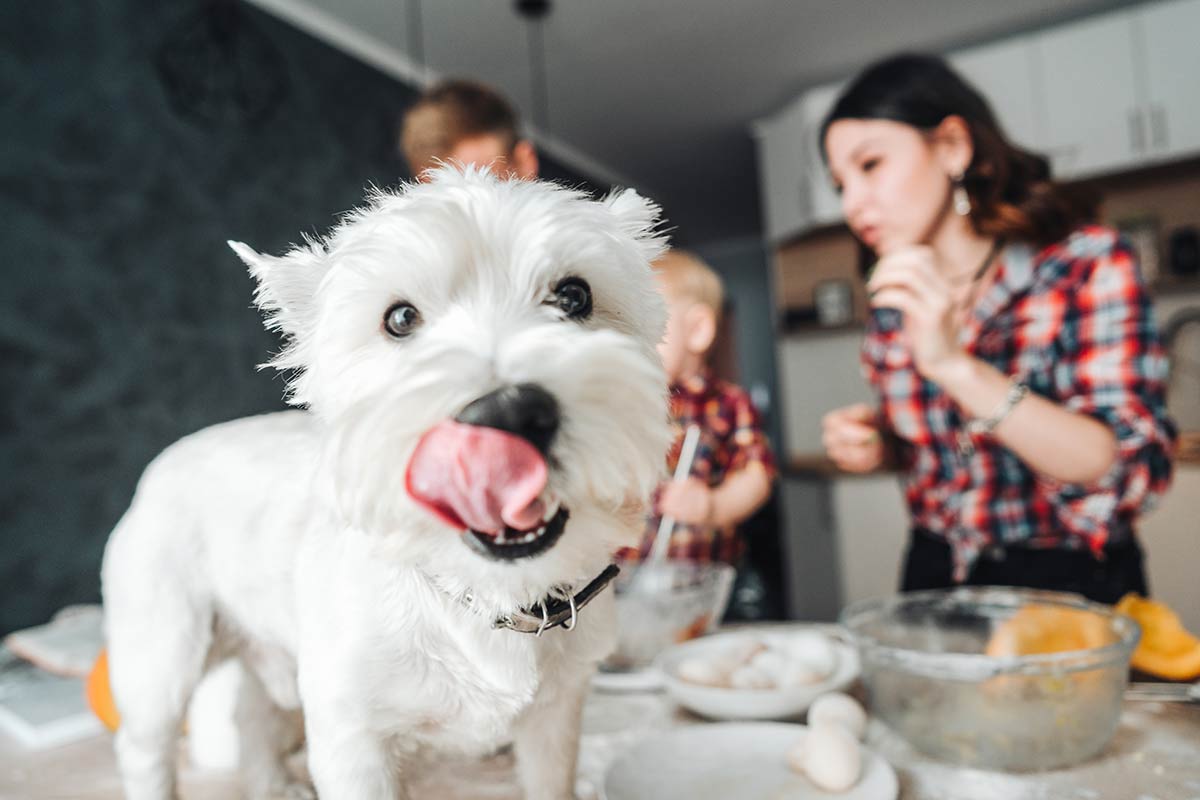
point(929, 675)
point(659, 605)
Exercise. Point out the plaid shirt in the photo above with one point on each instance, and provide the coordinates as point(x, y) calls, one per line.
point(731, 438)
point(1073, 322)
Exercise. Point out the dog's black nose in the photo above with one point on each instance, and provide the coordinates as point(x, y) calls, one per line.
point(526, 409)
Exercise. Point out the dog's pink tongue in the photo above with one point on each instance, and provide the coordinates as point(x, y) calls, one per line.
point(479, 478)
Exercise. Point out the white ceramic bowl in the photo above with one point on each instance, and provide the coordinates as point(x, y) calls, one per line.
point(751, 704)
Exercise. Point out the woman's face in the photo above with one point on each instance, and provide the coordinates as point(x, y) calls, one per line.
point(894, 181)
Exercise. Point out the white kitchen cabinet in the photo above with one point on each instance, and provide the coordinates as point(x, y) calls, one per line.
point(1169, 35)
point(1120, 89)
point(1089, 82)
point(1004, 74)
point(797, 193)
point(818, 372)
point(872, 523)
point(1098, 96)
point(782, 184)
point(1168, 535)
point(825, 204)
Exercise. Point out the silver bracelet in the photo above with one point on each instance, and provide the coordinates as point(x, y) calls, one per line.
point(1016, 392)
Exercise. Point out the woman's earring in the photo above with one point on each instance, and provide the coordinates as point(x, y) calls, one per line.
point(962, 201)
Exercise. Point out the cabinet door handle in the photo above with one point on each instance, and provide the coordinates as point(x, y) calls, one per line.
point(1158, 126)
point(1137, 134)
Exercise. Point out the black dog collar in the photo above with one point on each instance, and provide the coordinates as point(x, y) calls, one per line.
point(557, 610)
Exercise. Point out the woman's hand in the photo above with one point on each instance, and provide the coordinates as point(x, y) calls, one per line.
point(908, 279)
point(689, 502)
point(852, 439)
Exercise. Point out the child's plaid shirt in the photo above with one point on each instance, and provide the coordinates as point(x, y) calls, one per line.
point(731, 438)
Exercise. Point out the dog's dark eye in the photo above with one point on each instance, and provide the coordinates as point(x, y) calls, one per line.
point(401, 320)
point(574, 297)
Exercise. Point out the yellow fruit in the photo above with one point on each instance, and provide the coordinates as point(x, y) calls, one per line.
point(1166, 650)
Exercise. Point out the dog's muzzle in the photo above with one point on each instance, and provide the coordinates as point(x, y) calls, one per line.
point(486, 473)
point(526, 410)
point(512, 544)
point(530, 412)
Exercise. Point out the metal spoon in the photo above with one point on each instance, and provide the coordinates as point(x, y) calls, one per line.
point(1164, 692)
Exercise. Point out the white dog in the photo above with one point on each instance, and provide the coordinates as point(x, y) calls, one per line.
point(407, 560)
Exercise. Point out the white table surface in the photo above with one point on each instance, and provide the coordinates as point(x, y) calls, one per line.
point(1155, 755)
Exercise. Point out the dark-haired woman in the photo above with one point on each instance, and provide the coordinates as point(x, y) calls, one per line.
point(1011, 343)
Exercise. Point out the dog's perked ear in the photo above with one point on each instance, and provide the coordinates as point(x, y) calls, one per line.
point(638, 218)
point(286, 291)
point(287, 284)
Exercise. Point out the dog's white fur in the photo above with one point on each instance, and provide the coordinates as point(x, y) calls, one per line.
point(288, 540)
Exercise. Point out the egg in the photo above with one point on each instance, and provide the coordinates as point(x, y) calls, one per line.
point(814, 652)
point(832, 758)
point(717, 669)
point(751, 677)
point(703, 671)
point(742, 652)
point(773, 663)
point(795, 674)
point(839, 709)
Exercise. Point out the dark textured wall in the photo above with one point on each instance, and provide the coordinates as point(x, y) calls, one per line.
point(136, 140)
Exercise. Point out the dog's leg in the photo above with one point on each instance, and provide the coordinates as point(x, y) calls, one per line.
point(267, 734)
point(348, 763)
point(154, 668)
point(546, 738)
point(346, 758)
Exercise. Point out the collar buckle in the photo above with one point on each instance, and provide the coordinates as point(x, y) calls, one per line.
point(554, 612)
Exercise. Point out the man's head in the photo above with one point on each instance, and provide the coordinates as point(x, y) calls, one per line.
point(694, 298)
point(469, 123)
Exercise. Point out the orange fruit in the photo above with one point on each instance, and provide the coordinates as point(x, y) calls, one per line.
point(99, 693)
point(1036, 630)
point(1040, 630)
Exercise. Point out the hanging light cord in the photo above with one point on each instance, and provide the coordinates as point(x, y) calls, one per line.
point(416, 35)
point(537, 73)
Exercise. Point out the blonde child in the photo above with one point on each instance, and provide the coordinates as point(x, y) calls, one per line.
point(731, 474)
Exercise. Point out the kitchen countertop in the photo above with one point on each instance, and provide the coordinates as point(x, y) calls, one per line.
point(1155, 755)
